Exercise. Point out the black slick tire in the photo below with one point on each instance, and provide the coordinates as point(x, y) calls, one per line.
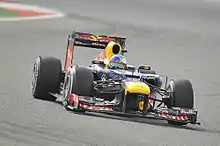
point(46, 79)
point(82, 84)
point(182, 96)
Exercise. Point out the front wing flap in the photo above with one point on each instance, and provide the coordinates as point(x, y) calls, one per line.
point(178, 114)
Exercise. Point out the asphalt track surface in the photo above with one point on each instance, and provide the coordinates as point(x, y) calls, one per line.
point(178, 38)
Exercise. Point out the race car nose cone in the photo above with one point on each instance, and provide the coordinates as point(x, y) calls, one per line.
point(137, 87)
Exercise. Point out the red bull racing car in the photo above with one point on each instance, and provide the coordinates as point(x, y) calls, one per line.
point(110, 85)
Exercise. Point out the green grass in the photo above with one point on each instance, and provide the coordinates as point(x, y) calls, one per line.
point(7, 13)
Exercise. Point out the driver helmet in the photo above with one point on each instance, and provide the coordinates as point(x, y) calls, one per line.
point(117, 62)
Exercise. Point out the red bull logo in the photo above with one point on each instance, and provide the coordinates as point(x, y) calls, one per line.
point(89, 37)
point(105, 39)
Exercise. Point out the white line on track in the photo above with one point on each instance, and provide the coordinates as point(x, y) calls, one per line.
point(55, 13)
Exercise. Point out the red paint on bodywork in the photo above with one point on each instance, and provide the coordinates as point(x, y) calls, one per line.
point(71, 99)
point(74, 99)
point(102, 56)
point(69, 57)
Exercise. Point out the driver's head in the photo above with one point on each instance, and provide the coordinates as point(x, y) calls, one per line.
point(117, 62)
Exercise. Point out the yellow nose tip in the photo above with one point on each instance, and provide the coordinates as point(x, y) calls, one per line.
point(138, 87)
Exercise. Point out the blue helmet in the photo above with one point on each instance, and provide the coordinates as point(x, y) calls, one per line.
point(117, 62)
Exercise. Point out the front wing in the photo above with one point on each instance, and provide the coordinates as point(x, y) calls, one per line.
point(91, 104)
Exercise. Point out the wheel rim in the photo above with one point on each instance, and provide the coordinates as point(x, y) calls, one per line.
point(35, 73)
point(66, 88)
point(170, 91)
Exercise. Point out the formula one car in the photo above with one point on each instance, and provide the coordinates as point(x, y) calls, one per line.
point(110, 85)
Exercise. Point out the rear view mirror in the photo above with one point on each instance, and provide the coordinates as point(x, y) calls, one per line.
point(144, 67)
point(131, 67)
point(98, 62)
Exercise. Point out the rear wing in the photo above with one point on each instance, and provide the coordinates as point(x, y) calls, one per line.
point(94, 41)
point(84, 39)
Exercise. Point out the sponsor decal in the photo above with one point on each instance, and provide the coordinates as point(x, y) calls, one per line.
point(105, 39)
point(95, 108)
point(89, 37)
point(186, 111)
point(98, 44)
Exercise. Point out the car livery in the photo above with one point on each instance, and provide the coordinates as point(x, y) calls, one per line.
point(134, 91)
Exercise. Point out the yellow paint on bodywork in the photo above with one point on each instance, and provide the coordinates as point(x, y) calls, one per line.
point(109, 49)
point(126, 92)
point(138, 87)
point(146, 68)
point(141, 105)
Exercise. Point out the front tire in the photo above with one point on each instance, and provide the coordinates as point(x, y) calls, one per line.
point(79, 81)
point(82, 84)
point(182, 96)
point(46, 79)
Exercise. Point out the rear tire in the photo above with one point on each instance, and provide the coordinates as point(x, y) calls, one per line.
point(182, 96)
point(47, 73)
